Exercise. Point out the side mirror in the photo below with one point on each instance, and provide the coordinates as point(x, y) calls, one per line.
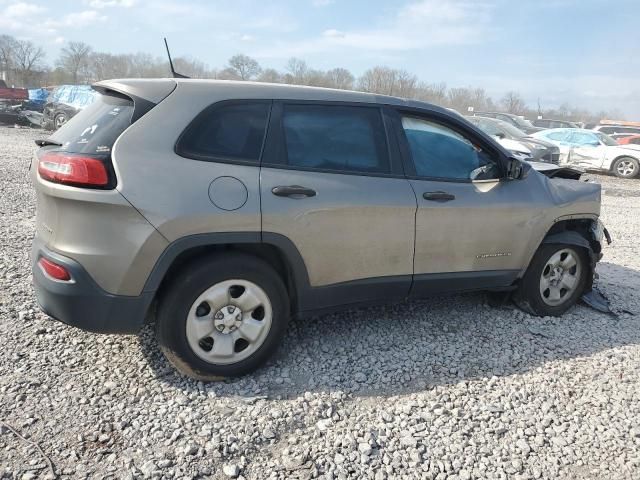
point(515, 169)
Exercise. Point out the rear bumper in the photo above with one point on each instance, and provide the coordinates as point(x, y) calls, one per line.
point(82, 303)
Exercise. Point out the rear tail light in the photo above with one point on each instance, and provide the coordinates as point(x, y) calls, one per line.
point(54, 270)
point(73, 169)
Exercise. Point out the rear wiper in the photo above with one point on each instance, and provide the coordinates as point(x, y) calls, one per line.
point(46, 142)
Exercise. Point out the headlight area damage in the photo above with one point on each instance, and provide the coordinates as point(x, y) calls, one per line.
point(588, 234)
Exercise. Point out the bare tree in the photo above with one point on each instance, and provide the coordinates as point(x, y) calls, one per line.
point(145, 65)
point(228, 74)
point(297, 71)
point(28, 59)
point(269, 75)
point(8, 46)
point(378, 80)
point(432, 92)
point(245, 67)
point(406, 84)
point(512, 102)
point(74, 58)
point(460, 99)
point(340, 78)
point(191, 67)
point(105, 65)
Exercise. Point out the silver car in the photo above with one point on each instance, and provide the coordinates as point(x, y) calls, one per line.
point(227, 207)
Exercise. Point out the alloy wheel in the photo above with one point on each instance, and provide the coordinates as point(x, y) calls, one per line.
point(625, 168)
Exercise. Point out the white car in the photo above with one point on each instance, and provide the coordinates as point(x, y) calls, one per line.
point(521, 145)
point(594, 151)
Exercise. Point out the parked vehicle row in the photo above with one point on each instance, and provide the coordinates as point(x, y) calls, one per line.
point(257, 202)
point(64, 102)
point(569, 145)
point(518, 142)
point(594, 150)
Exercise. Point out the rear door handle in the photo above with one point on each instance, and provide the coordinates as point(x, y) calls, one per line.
point(293, 191)
point(438, 196)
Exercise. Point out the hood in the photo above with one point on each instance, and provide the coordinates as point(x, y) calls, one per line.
point(513, 145)
point(581, 197)
point(539, 141)
point(554, 171)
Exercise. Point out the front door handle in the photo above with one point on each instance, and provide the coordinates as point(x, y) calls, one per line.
point(438, 196)
point(293, 191)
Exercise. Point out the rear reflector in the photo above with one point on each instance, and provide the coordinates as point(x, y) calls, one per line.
point(54, 270)
point(72, 169)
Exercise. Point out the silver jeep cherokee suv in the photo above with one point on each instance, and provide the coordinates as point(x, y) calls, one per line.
point(227, 207)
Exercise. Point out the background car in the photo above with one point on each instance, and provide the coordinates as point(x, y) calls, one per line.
point(64, 103)
point(548, 123)
point(617, 129)
point(594, 150)
point(515, 140)
point(519, 122)
point(629, 140)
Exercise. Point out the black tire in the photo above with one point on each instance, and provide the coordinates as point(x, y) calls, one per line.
point(618, 171)
point(184, 290)
point(529, 297)
point(59, 120)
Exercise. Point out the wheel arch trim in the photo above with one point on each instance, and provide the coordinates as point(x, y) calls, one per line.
point(290, 254)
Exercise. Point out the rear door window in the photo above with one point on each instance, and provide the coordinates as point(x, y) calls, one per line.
point(233, 131)
point(96, 128)
point(335, 138)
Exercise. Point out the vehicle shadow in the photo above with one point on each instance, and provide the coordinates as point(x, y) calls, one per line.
point(415, 346)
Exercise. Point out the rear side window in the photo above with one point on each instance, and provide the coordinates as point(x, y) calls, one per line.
point(334, 137)
point(233, 131)
point(95, 129)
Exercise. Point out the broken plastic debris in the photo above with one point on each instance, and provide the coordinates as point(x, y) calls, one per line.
point(596, 300)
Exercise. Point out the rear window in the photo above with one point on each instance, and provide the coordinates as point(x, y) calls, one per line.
point(95, 129)
point(232, 131)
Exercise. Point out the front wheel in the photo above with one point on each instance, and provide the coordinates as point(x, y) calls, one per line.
point(59, 120)
point(554, 281)
point(222, 317)
point(625, 167)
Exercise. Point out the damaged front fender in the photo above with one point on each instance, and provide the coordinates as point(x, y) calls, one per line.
point(591, 240)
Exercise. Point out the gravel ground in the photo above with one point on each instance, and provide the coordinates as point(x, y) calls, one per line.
point(446, 388)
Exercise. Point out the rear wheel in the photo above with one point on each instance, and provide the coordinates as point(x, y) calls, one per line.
point(625, 167)
point(554, 281)
point(223, 317)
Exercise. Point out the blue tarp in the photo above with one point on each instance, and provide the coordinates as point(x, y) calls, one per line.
point(38, 95)
point(78, 96)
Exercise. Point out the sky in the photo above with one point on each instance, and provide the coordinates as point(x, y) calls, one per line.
point(583, 52)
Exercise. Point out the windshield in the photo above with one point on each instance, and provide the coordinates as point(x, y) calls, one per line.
point(512, 131)
point(606, 139)
point(523, 122)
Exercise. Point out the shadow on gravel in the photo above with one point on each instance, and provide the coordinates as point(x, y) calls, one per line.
point(416, 346)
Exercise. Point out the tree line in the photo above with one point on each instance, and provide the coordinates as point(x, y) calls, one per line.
point(23, 64)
